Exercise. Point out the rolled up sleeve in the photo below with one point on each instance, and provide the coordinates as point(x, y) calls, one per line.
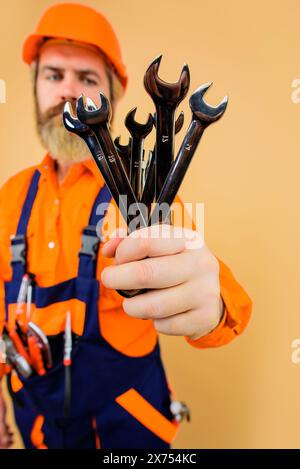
point(238, 307)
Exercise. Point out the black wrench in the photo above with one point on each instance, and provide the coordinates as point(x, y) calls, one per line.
point(98, 121)
point(124, 152)
point(149, 186)
point(202, 116)
point(138, 134)
point(74, 125)
point(166, 97)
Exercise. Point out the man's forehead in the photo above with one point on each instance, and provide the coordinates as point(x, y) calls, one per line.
point(60, 54)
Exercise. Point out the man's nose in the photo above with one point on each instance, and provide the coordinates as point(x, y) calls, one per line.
point(68, 90)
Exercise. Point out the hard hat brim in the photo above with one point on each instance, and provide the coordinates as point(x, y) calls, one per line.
point(33, 42)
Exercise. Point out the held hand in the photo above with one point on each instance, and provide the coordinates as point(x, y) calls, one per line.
point(180, 271)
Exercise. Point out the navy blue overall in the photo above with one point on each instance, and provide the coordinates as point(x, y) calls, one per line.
point(99, 372)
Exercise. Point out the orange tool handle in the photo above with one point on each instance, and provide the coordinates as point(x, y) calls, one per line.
point(5, 369)
point(36, 356)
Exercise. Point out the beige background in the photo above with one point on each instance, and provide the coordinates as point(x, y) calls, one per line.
point(247, 173)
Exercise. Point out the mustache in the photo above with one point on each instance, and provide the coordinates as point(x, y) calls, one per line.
point(53, 112)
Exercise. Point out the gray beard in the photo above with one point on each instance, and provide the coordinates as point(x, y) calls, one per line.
point(62, 145)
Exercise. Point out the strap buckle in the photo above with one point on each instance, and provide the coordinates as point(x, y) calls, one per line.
point(18, 249)
point(89, 242)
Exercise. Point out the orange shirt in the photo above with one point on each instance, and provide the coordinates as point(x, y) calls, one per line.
point(53, 242)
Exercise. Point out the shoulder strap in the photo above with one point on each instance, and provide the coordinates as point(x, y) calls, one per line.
point(89, 238)
point(18, 242)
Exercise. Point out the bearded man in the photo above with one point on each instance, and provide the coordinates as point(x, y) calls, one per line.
point(119, 395)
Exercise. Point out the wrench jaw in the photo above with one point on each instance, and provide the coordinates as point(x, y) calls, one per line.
point(89, 114)
point(75, 126)
point(135, 128)
point(204, 112)
point(71, 122)
point(123, 149)
point(163, 92)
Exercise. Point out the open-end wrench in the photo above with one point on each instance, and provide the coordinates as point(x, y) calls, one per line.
point(202, 116)
point(149, 185)
point(138, 134)
point(74, 125)
point(124, 152)
point(166, 97)
point(98, 121)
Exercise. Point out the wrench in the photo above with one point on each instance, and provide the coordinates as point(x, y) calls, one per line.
point(124, 152)
point(98, 121)
point(74, 125)
point(138, 134)
point(149, 186)
point(166, 98)
point(202, 116)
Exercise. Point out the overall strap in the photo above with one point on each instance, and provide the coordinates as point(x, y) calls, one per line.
point(18, 242)
point(89, 239)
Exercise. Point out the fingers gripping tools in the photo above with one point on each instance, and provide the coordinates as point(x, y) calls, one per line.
point(122, 166)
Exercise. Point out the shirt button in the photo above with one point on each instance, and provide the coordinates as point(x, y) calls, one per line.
point(51, 244)
point(56, 201)
point(46, 166)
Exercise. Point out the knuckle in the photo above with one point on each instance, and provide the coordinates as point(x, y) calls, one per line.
point(214, 264)
point(120, 251)
point(209, 262)
point(145, 273)
point(152, 309)
point(143, 245)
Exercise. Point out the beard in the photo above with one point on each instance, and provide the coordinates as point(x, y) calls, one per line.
point(62, 145)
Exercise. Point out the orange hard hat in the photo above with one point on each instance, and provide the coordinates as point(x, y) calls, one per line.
point(80, 23)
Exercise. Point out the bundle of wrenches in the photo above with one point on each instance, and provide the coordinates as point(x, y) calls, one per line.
point(145, 190)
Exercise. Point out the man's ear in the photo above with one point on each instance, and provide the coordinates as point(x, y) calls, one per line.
point(34, 68)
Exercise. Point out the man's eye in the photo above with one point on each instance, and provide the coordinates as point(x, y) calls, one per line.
point(54, 77)
point(89, 81)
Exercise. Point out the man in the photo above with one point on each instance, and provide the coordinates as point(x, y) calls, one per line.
point(120, 396)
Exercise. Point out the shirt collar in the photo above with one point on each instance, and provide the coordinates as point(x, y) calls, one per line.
point(47, 166)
